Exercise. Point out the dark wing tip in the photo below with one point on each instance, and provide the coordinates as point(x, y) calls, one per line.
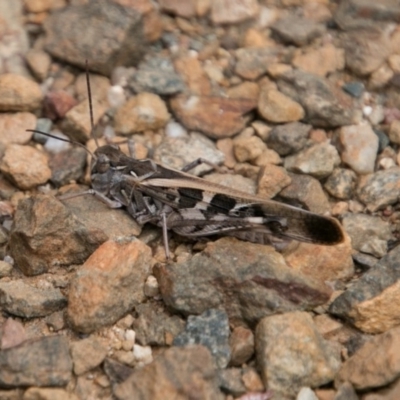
point(302, 225)
point(323, 230)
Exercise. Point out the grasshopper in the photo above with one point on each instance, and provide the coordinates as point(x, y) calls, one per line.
point(194, 207)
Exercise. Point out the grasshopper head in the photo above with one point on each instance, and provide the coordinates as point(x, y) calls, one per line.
point(105, 157)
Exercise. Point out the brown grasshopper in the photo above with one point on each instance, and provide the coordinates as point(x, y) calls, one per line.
point(193, 207)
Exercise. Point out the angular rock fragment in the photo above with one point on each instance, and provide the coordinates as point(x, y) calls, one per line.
point(76, 123)
point(157, 75)
point(177, 373)
point(45, 233)
point(25, 166)
point(324, 105)
point(13, 127)
point(371, 302)
point(380, 189)
point(247, 280)
point(217, 117)
point(276, 107)
point(67, 166)
point(318, 160)
point(360, 147)
point(146, 111)
point(18, 93)
point(323, 263)
point(210, 329)
point(306, 192)
point(108, 285)
point(297, 30)
point(230, 12)
point(369, 234)
point(288, 138)
point(375, 364)
point(373, 48)
point(95, 215)
point(87, 354)
point(39, 362)
point(254, 62)
point(291, 353)
point(154, 326)
point(74, 34)
point(22, 300)
point(179, 152)
point(341, 183)
point(241, 343)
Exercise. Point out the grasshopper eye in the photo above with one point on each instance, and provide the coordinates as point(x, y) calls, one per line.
point(102, 164)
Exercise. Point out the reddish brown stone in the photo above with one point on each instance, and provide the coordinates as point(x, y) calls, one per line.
point(217, 117)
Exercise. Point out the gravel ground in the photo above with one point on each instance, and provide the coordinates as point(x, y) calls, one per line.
point(296, 100)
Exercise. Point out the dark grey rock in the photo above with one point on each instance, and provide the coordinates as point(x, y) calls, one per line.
point(380, 189)
point(373, 48)
point(157, 75)
point(297, 30)
point(341, 183)
point(176, 373)
point(306, 192)
point(253, 62)
point(45, 233)
point(179, 152)
point(210, 329)
point(39, 362)
point(22, 300)
point(95, 215)
point(103, 32)
point(67, 166)
point(56, 321)
point(246, 280)
point(384, 140)
point(291, 354)
point(384, 274)
point(288, 138)
point(355, 89)
point(325, 106)
point(318, 160)
point(116, 371)
point(44, 125)
point(346, 392)
point(368, 233)
point(351, 14)
point(365, 261)
point(153, 325)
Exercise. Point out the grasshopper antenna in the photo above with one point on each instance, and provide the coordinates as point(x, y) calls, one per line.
point(63, 140)
point(89, 89)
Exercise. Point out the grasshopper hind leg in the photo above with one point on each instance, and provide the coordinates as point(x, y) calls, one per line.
point(200, 161)
point(252, 236)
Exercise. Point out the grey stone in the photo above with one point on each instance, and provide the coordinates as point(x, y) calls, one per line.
point(368, 233)
point(74, 34)
point(380, 189)
point(341, 183)
point(39, 362)
point(22, 300)
point(288, 138)
point(210, 329)
point(157, 75)
point(247, 280)
point(324, 106)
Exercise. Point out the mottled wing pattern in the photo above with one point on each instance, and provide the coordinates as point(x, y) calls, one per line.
point(204, 208)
